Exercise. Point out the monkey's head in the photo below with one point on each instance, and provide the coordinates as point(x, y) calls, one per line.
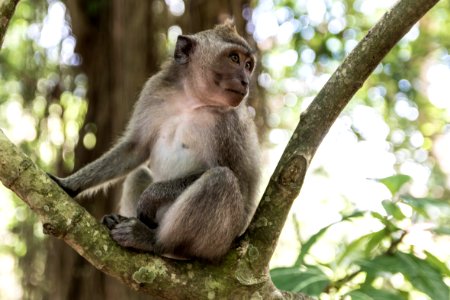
point(219, 64)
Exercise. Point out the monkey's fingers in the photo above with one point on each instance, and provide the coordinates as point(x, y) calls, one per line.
point(112, 220)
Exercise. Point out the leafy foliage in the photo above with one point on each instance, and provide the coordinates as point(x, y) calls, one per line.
point(375, 254)
point(419, 272)
point(310, 280)
point(369, 293)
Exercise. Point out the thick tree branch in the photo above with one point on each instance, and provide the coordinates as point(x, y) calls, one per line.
point(7, 8)
point(287, 180)
point(248, 263)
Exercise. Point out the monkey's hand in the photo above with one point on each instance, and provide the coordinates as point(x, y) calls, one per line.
point(60, 181)
point(130, 232)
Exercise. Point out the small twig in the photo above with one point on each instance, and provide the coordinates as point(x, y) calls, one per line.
point(395, 242)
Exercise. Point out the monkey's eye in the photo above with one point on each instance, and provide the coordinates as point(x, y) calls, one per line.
point(234, 57)
point(249, 65)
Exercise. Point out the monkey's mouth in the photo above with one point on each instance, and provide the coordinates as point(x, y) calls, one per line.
point(240, 93)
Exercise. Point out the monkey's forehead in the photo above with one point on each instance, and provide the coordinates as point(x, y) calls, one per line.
point(239, 42)
point(227, 36)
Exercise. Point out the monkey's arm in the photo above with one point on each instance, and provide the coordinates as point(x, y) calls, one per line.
point(117, 162)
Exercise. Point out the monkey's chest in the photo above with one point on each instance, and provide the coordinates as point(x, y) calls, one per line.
point(181, 148)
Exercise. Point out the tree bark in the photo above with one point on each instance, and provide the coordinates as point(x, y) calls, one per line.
point(244, 271)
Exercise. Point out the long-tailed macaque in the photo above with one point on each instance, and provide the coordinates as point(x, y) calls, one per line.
point(190, 153)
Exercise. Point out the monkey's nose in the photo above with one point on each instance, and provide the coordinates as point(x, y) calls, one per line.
point(244, 82)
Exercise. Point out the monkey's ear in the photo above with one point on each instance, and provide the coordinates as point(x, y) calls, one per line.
point(183, 48)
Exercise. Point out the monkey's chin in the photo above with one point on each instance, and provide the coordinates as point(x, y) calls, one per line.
point(234, 98)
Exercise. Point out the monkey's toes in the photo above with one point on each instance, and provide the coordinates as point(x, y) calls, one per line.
point(112, 220)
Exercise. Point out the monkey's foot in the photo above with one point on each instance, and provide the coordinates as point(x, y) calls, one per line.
point(148, 221)
point(132, 233)
point(112, 220)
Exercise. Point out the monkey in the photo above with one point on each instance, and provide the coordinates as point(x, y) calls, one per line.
point(189, 153)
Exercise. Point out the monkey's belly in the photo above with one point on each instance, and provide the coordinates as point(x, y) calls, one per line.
point(182, 147)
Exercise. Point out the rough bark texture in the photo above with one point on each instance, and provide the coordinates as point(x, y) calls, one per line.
point(243, 274)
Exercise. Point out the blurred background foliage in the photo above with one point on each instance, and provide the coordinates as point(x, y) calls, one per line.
point(373, 218)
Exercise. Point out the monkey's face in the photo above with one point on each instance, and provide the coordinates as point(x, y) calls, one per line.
point(230, 75)
point(219, 65)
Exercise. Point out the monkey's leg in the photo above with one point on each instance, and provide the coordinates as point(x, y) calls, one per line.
point(134, 185)
point(155, 200)
point(205, 218)
point(139, 233)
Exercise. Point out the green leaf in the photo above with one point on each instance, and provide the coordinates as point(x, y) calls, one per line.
point(393, 210)
point(311, 281)
point(369, 293)
point(309, 243)
point(422, 204)
point(442, 230)
point(375, 240)
point(353, 249)
point(424, 276)
point(395, 182)
point(378, 216)
point(438, 264)
point(389, 225)
point(313, 239)
point(363, 246)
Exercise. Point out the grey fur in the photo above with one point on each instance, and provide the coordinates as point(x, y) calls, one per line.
point(134, 185)
point(190, 150)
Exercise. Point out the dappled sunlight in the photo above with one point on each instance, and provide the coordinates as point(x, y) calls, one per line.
point(438, 76)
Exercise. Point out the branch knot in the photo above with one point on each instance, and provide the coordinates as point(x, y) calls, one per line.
point(293, 174)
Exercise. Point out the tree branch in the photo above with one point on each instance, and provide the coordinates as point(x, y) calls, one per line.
point(7, 8)
point(244, 271)
point(64, 218)
point(287, 180)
